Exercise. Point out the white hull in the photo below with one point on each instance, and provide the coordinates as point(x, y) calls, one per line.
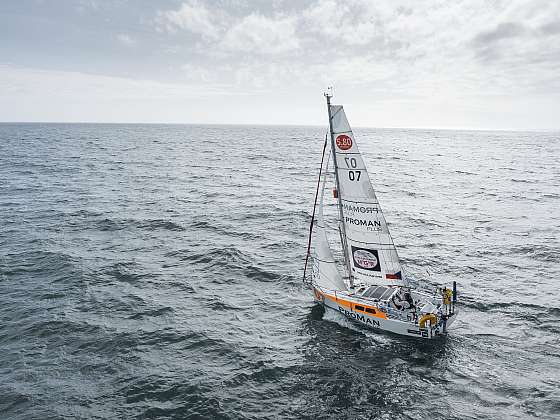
point(379, 321)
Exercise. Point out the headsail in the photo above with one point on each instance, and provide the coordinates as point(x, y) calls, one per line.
point(371, 252)
point(325, 271)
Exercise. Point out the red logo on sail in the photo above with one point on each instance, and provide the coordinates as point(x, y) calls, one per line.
point(344, 142)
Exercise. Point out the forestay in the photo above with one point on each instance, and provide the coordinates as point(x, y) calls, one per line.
point(371, 251)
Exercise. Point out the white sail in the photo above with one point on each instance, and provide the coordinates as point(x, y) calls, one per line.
point(325, 273)
point(372, 254)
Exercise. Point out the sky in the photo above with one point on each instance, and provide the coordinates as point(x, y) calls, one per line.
point(480, 64)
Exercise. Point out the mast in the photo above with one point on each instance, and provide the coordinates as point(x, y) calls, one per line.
point(328, 95)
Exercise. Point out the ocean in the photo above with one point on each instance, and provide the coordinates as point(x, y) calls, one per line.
point(155, 271)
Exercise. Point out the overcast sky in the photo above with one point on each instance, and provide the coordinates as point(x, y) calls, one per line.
point(438, 63)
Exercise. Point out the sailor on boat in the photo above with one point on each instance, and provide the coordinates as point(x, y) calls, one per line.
point(402, 300)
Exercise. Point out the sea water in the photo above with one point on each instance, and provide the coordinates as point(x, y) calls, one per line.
point(154, 271)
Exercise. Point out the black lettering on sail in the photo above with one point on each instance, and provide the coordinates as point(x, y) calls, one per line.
point(360, 209)
point(369, 224)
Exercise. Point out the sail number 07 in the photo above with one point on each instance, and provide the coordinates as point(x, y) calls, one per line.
point(352, 163)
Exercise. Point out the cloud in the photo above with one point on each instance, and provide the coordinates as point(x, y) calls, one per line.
point(86, 6)
point(256, 33)
point(223, 32)
point(193, 17)
point(350, 23)
point(340, 24)
point(398, 53)
point(385, 47)
point(48, 95)
point(126, 40)
point(551, 28)
point(502, 31)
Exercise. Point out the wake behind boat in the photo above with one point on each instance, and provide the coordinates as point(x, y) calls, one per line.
point(366, 283)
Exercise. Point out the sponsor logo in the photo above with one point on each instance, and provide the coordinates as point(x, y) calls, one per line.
point(360, 209)
point(359, 317)
point(369, 224)
point(414, 332)
point(344, 142)
point(366, 259)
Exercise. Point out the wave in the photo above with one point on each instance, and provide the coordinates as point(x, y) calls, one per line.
point(61, 329)
point(110, 225)
point(121, 304)
point(166, 310)
point(59, 266)
point(219, 256)
point(260, 274)
point(202, 224)
point(523, 181)
point(501, 306)
point(545, 253)
point(230, 260)
point(127, 272)
point(230, 230)
point(220, 306)
point(164, 397)
point(113, 225)
point(154, 224)
point(539, 317)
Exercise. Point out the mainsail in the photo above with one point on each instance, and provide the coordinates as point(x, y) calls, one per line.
point(371, 253)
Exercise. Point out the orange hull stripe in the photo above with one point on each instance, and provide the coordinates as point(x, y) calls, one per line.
point(342, 302)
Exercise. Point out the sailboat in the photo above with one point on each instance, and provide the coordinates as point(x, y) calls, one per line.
point(366, 283)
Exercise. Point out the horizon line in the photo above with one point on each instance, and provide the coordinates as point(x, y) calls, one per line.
point(285, 125)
